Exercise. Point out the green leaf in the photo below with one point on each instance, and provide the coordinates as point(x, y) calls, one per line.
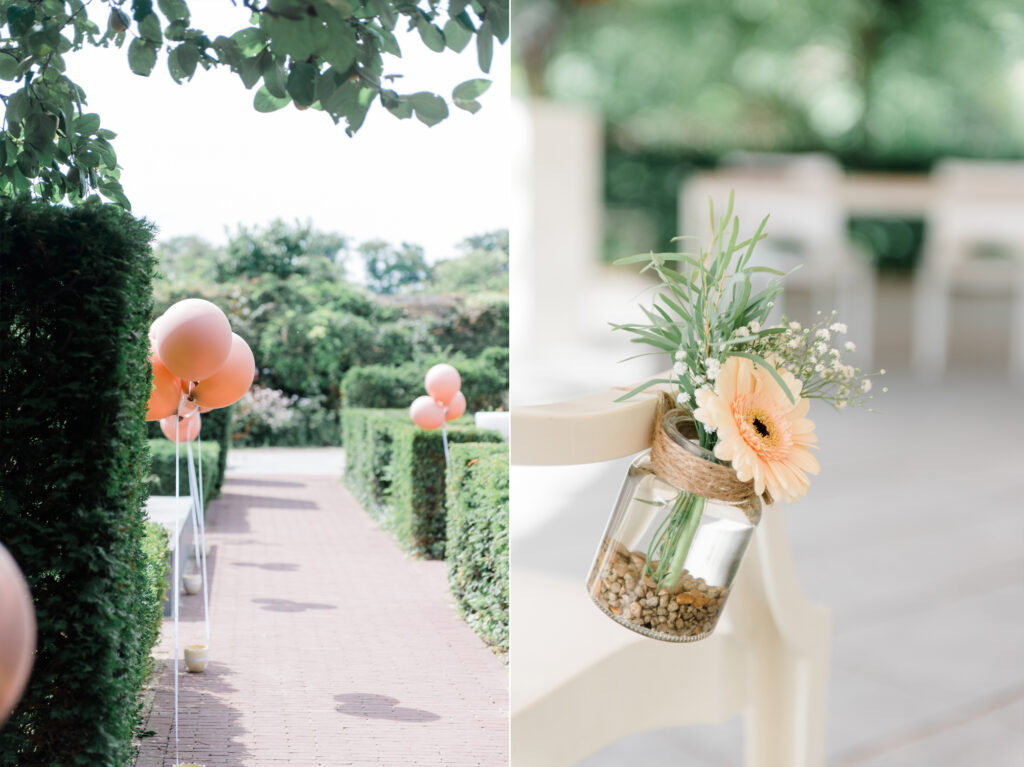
point(174, 10)
point(642, 387)
point(250, 70)
point(20, 20)
point(432, 37)
point(471, 89)
point(265, 101)
point(296, 38)
point(469, 105)
point(141, 9)
point(430, 108)
point(341, 49)
point(302, 84)
point(87, 124)
point(141, 57)
point(40, 129)
point(775, 374)
point(456, 36)
point(250, 40)
point(188, 58)
point(484, 46)
point(396, 105)
point(149, 28)
point(273, 77)
point(8, 66)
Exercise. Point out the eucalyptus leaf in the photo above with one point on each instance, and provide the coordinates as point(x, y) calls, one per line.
point(429, 107)
point(456, 36)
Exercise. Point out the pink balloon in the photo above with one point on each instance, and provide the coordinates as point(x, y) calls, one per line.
point(17, 633)
point(188, 429)
point(228, 384)
point(166, 392)
point(193, 339)
point(442, 382)
point(456, 407)
point(426, 413)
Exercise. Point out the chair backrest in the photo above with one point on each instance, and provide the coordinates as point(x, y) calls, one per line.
point(978, 210)
point(802, 194)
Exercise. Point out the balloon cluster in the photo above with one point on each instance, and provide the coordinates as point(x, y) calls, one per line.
point(198, 365)
point(443, 402)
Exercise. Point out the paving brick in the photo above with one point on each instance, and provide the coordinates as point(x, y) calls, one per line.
point(329, 646)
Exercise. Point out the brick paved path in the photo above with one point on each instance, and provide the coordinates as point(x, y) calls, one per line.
point(329, 647)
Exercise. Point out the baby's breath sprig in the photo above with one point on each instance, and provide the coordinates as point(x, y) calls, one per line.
point(816, 355)
point(707, 311)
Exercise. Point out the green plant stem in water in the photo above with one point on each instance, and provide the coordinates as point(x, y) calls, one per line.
point(672, 541)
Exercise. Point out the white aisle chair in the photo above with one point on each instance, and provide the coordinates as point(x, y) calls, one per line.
point(807, 228)
point(581, 682)
point(974, 240)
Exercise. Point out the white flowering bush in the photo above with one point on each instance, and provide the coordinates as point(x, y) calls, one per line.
point(269, 417)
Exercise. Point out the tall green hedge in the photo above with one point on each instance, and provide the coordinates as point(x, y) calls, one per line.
point(75, 306)
point(161, 478)
point(398, 471)
point(477, 538)
point(484, 382)
point(216, 436)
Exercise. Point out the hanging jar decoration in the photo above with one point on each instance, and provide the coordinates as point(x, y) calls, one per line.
point(731, 434)
point(676, 536)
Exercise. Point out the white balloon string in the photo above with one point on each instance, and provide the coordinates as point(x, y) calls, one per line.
point(193, 485)
point(444, 436)
point(202, 538)
point(176, 586)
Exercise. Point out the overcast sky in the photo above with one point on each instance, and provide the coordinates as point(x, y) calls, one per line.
point(198, 158)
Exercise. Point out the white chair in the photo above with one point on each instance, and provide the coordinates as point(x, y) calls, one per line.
point(974, 240)
point(581, 682)
point(807, 227)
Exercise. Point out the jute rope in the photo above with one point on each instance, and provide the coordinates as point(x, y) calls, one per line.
point(687, 471)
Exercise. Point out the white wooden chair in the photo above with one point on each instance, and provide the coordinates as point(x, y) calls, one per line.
point(977, 207)
point(807, 228)
point(581, 682)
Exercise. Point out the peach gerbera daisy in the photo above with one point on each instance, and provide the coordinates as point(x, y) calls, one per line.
point(764, 435)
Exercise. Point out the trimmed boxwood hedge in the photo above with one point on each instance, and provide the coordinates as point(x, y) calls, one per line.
point(397, 470)
point(161, 479)
point(216, 436)
point(75, 307)
point(484, 382)
point(477, 544)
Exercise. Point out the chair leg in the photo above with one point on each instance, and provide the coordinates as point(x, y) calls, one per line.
point(786, 721)
point(931, 326)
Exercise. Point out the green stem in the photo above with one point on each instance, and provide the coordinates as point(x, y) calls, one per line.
point(687, 511)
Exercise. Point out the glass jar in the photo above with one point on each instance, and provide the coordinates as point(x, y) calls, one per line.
point(668, 557)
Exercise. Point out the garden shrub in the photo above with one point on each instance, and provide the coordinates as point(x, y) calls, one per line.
point(161, 476)
point(417, 491)
point(478, 322)
point(484, 382)
point(75, 307)
point(367, 436)
point(156, 552)
point(270, 418)
point(396, 470)
point(217, 428)
point(477, 538)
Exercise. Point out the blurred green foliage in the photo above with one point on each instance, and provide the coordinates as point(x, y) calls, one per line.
point(881, 84)
point(286, 291)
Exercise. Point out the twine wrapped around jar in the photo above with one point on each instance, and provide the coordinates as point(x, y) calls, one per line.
point(687, 470)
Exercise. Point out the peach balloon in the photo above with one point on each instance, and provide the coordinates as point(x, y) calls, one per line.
point(17, 633)
point(442, 382)
point(188, 428)
point(153, 330)
point(193, 339)
point(228, 384)
point(456, 407)
point(166, 391)
point(426, 413)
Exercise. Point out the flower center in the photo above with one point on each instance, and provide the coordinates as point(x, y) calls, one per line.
point(764, 430)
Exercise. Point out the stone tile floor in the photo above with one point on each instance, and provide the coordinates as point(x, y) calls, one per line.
point(329, 646)
point(913, 535)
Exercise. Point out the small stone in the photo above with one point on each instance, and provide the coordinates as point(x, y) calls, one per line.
point(684, 599)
